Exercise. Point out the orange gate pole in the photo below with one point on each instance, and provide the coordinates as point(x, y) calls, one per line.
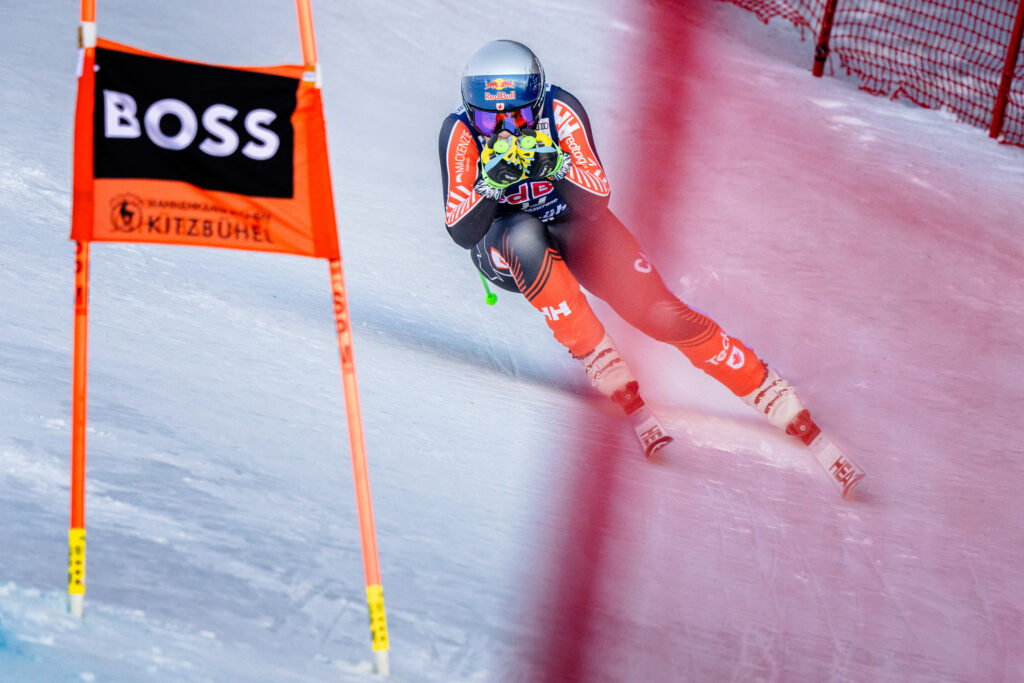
point(364, 504)
point(76, 532)
point(367, 534)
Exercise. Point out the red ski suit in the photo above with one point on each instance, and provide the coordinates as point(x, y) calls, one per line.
point(546, 238)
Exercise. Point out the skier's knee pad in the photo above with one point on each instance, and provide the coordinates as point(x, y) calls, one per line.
point(511, 254)
point(490, 262)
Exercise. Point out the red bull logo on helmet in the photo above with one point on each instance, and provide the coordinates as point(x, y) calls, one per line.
point(506, 90)
point(499, 84)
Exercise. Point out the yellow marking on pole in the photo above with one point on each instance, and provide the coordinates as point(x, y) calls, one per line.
point(378, 620)
point(76, 562)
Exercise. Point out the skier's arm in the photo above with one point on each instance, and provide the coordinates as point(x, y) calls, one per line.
point(467, 214)
point(585, 188)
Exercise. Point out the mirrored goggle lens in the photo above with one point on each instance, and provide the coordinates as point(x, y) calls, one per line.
point(524, 118)
point(489, 121)
point(485, 121)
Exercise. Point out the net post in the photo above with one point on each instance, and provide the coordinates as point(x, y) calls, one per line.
point(1009, 66)
point(821, 48)
point(364, 505)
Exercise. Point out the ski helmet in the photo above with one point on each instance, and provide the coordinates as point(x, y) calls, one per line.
point(503, 87)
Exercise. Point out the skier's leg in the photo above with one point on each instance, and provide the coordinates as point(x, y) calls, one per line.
point(608, 261)
point(519, 247)
point(518, 251)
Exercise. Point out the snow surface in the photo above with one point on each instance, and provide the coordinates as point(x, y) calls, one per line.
point(869, 249)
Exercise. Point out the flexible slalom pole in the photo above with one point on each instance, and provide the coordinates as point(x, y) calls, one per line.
point(367, 534)
point(308, 42)
point(76, 532)
point(364, 504)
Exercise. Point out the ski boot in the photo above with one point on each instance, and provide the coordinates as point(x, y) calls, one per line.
point(610, 375)
point(777, 400)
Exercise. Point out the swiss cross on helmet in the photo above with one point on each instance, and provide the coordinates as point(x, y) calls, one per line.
point(503, 87)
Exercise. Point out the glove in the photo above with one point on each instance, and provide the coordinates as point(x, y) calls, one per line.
point(501, 162)
point(542, 157)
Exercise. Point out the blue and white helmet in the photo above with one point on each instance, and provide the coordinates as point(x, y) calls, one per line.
point(503, 87)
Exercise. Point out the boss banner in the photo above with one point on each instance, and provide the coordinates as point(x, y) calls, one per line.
point(180, 152)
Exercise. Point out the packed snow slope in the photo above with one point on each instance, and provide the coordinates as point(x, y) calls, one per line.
point(868, 249)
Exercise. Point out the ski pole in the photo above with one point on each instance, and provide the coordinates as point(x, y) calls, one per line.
point(491, 297)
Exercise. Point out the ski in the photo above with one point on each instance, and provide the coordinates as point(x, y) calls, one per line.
point(841, 470)
point(649, 431)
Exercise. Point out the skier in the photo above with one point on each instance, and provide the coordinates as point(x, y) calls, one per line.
point(526, 194)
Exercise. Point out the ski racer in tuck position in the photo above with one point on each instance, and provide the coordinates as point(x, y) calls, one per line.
point(526, 194)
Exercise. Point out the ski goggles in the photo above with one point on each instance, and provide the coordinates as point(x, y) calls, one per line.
point(513, 120)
